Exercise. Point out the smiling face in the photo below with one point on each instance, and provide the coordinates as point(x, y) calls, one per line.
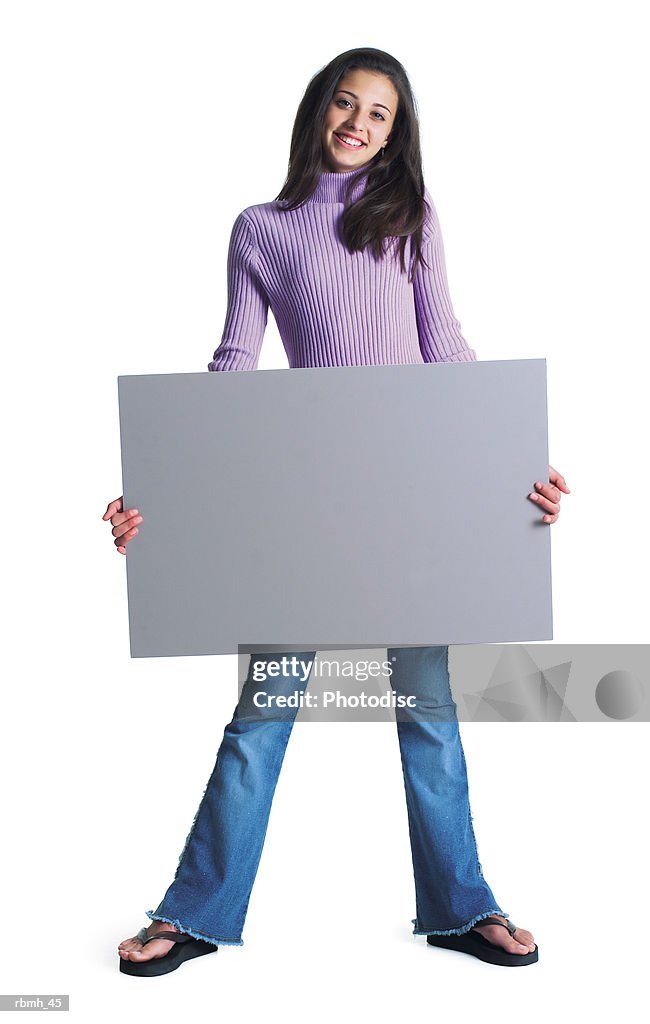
point(362, 110)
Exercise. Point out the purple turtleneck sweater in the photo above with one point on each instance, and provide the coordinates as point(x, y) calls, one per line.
point(333, 307)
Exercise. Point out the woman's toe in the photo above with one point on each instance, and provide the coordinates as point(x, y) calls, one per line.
point(525, 938)
point(129, 946)
point(521, 942)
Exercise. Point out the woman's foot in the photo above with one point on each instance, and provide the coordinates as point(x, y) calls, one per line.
point(521, 942)
point(132, 949)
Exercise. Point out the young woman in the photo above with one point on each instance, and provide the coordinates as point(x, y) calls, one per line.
point(350, 259)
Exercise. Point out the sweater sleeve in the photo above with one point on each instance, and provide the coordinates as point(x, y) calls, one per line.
point(248, 304)
point(439, 331)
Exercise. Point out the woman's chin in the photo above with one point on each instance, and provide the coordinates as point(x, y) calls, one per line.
point(347, 161)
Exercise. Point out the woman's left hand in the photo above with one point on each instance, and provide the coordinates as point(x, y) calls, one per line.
point(548, 495)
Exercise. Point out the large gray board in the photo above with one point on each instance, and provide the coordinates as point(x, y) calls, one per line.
point(336, 507)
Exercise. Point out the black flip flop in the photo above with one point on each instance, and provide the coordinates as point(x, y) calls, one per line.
point(186, 948)
point(475, 944)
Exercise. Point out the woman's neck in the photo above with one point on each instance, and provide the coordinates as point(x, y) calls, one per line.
point(332, 185)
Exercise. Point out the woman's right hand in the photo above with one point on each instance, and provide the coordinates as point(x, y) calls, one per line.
point(125, 524)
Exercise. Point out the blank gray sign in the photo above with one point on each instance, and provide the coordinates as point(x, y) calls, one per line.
point(336, 508)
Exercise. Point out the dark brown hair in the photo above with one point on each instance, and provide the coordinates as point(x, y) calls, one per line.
point(393, 205)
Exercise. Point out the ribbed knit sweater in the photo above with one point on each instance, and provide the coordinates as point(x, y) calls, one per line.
point(333, 307)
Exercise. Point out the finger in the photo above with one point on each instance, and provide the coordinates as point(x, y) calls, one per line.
point(124, 530)
point(123, 517)
point(113, 507)
point(550, 519)
point(548, 490)
point(558, 479)
point(120, 542)
point(546, 503)
point(122, 550)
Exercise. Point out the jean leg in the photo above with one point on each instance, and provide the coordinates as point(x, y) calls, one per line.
point(209, 895)
point(451, 892)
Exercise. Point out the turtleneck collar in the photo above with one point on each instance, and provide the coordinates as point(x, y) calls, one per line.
point(332, 186)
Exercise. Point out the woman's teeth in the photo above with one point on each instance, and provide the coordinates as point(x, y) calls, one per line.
point(348, 141)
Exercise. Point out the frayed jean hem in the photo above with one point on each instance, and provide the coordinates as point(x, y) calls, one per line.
point(215, 940)
point(456, 931)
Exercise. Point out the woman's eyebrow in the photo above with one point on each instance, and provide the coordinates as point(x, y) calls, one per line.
point(356, 98)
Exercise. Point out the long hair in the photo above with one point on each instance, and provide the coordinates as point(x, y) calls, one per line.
point(393, 205)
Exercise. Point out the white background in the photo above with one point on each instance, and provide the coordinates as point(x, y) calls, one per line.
point(133, 133)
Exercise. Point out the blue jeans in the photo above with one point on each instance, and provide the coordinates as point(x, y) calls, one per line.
point(209, 895)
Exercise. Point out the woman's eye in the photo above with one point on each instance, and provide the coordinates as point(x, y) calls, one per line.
point(375, 111)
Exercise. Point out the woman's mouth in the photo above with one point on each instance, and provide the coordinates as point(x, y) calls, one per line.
point(349, 141)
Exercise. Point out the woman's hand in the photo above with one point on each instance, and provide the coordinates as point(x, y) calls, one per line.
point(548, 495)
point(125, 524)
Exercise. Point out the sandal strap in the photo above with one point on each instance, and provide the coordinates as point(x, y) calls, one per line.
point(512, 928)
point(174, 936)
